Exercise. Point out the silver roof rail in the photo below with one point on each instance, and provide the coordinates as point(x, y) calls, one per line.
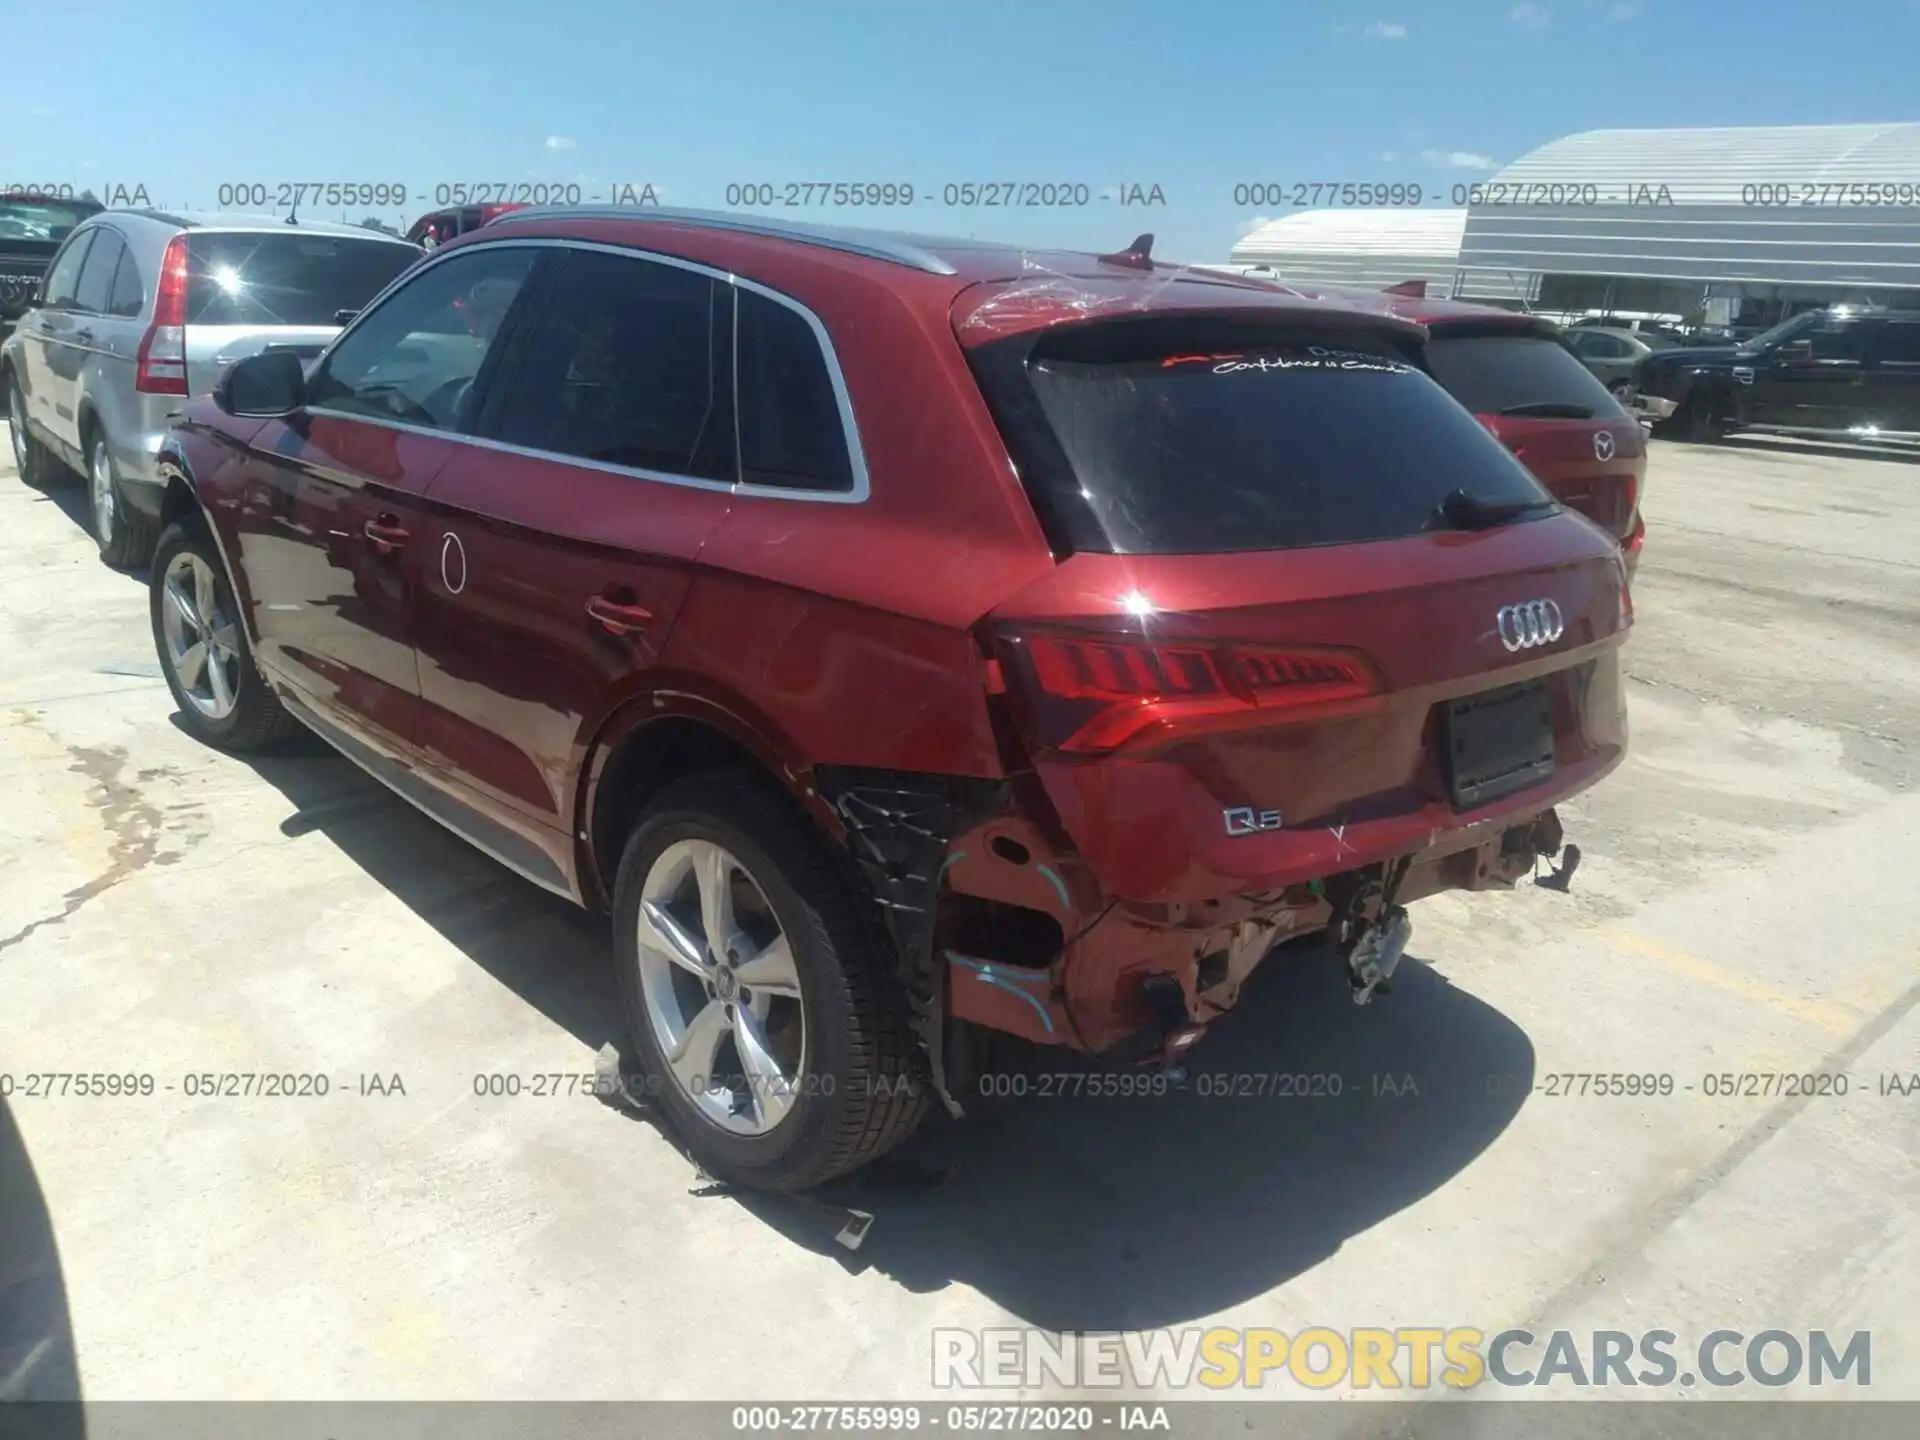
point(874, 244)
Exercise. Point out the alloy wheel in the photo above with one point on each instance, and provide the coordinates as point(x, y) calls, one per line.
point(100, 476)
point(203, 645)
point(721, 989)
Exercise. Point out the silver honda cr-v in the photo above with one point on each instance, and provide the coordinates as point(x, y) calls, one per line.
point(141, 309)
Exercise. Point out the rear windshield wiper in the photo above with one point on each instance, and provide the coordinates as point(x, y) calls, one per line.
point(1550, 410)
point(1461, 510)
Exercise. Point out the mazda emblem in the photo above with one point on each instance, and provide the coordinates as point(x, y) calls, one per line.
point(1603, 444)
point(1535, 622)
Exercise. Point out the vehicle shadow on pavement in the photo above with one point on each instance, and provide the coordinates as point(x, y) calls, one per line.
point(1073, 1212)
point(551, 953)
point(1125, 1213)
point(68, 494)
point(37, 1358)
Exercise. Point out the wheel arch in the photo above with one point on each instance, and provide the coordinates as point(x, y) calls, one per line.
point(180, 502)
point(660, 736)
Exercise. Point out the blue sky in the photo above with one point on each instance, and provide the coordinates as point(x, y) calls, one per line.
point(183, 97)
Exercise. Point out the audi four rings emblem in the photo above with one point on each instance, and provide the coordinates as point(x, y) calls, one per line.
point(1534, 622)
point(1603, 444)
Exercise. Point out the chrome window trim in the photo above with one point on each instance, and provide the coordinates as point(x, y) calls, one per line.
point(850, 430)
point(856, 452)
point(872, 244)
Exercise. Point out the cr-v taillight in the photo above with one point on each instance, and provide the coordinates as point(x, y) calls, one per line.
point(160, 367)
point(1093, 695)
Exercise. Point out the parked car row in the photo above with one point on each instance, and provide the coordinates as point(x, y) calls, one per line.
point(892, 642)
point(1523, 378)
point(1849, 372)
point(32, 229)
point(138, 310)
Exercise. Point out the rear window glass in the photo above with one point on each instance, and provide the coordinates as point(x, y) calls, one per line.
point(1298, 441)
point(292, 279)
point(1519, 375)
point(46, 222)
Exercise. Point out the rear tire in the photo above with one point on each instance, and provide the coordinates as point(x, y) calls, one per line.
point(850, 1087)
point(224, 700)
point(36, 463)
point(125, 536)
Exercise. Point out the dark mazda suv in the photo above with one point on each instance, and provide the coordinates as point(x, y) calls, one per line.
point(904, 639)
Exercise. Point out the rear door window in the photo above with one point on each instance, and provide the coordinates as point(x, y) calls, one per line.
point(626, 364)
point(266, 278)
point(1835, 340)
point(1897, 343)
point(64, 277)
point(1283, 441)
point(96, 278)
point(1494, 374)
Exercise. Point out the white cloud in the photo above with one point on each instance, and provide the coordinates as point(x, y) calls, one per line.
point(1623, 10)
point(1387, 30)
point(559, 142)
point(1388, 157)
point(1529, 16)
point(1458, 159)
point(1247, 227)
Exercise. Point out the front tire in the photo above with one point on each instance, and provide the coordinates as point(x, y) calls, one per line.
point(1696, 423)
point(124, 535)
point(756, 1005)
point(224, 700)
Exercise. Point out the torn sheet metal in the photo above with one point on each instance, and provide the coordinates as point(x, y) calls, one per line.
point(901, 827)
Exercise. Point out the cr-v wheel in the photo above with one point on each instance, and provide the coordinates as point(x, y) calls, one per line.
point(125, 535)
point(770, 1040)
point(224, 701)
point(32, 460)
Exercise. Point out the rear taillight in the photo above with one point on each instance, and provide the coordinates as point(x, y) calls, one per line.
point(161, 364)
point(1093, 695)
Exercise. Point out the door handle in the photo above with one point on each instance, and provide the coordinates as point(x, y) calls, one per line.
point(385, 533)
point(86, 335)
point(617, 617)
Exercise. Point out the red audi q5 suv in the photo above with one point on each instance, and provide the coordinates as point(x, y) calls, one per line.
point(902, 638)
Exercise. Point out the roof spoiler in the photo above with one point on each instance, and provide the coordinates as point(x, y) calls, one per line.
point(1414, 289)
point(1137, 256)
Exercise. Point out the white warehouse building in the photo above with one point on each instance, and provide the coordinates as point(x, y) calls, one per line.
point(1722, 226)
point(1374, 248)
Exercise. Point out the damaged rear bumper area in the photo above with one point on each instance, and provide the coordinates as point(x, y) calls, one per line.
point(1150, 977)
point(999, 924)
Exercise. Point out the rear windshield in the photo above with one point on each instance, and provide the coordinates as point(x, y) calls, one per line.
point(1290, 442)
point(47, 222)
point(242, 278)
point(1519, 375)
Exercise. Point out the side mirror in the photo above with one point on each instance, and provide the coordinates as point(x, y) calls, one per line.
point(1794, 352)
point(269, 384)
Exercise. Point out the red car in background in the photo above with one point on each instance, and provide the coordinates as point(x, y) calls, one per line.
point(1523, 384)
point(439, 226)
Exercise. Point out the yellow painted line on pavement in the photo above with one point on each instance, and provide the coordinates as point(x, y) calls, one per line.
point(1823, 1015)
